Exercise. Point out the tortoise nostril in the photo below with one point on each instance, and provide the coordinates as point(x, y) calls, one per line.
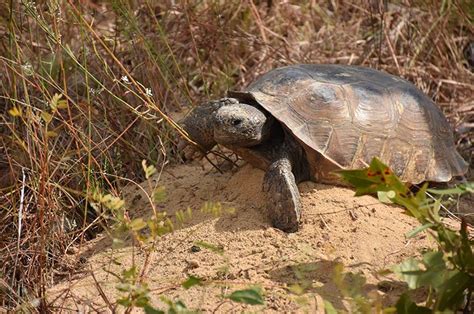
point(236, 122)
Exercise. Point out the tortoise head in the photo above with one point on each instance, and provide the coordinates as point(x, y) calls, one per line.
point(241, 125)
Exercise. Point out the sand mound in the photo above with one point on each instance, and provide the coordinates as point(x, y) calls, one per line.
point(360, 232)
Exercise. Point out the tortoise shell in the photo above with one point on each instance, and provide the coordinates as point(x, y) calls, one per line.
point(346, 115)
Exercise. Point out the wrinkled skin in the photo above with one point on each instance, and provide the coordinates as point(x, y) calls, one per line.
point(258, 138)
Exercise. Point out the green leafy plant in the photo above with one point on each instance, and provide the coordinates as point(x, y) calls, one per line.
point(252, 296)
point(137, 294)
point(448, 272)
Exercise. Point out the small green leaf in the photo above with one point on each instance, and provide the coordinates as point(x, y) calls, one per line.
point(179, 307)
point(149, 170)
point(212, 208)
point(386, 197)
point(175, 307)
point(123, 287)
point(377, 177)
point(467, 187)
point(182, 215)
point(159, 194)
point(111, 201)
point(433, 274)
point(451, 290)
point(54, 101)
point(15, 112)
point(137, 224)
point(356, 286)
point(466, 256)
point(296, 289)
point(191, 281)
point(209, 246)
point(124, 302)
point(151, 310)
point(46, 117)
point(117, 243)
point(448, 239)
point(130, 273)
point(409, 270)
point(419, 229)
point(160, 225)
point(329, 308)
point(62, 104)
point(247, 296)
point(406, 306)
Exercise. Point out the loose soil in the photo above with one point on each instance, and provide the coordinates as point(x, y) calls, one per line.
point(295, 271)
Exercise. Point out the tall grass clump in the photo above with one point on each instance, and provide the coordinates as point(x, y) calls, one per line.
point(88, 89)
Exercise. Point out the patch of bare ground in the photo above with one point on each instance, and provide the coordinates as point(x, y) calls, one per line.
point(363, 234)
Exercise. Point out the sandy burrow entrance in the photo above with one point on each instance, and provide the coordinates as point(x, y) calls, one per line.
point(363, 234)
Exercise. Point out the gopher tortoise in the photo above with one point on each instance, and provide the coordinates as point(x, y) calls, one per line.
point(303, 122)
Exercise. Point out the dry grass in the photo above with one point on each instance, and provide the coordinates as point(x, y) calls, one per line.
point(121, 67)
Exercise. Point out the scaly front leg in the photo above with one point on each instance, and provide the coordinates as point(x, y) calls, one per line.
point(283, 197)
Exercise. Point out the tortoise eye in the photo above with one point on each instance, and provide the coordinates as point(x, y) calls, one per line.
point(236, 122)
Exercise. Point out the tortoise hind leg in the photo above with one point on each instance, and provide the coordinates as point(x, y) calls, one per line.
point(283, 198)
